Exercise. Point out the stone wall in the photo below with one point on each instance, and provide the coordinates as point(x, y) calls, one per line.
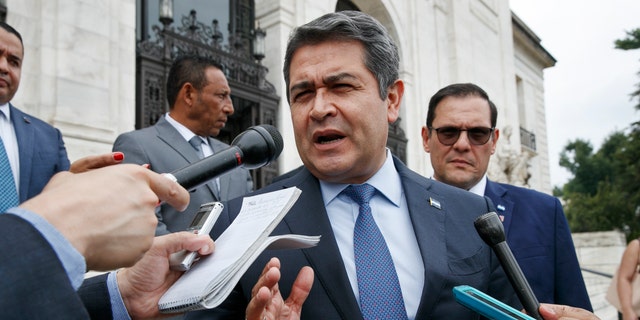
point(599, 254)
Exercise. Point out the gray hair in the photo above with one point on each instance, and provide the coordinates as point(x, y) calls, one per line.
point(381, 53)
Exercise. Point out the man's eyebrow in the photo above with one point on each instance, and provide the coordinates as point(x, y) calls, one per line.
point(338, 77)
point(329, 79)
point(301, 86)
point(10, 55)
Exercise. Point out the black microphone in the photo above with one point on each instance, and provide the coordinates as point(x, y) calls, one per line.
point(491, 230)
point(253, 148)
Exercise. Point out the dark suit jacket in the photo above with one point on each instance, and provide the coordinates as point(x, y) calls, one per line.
point(538, 234)
point(41, 151)
point(452, 252)
point(165, 150)
point(33, 282)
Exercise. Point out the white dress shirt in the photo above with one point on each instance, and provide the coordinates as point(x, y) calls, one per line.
point(187, 134)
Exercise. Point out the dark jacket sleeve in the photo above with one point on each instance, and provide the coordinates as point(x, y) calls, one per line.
point(33, 282)
point(95, 296)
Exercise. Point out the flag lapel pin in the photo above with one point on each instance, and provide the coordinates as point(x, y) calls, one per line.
point(435, 203)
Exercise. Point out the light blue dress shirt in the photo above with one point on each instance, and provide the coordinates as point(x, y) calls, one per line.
point(390, 210)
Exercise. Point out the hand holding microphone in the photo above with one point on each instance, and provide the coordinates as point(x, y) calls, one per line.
point(491, 230)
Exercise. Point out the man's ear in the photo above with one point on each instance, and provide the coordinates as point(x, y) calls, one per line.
point(394, 98)
point(425, 139)
point(187, 93)
point(494, 140)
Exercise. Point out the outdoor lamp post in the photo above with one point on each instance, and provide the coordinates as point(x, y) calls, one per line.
point(166, 12)
point(259, 43)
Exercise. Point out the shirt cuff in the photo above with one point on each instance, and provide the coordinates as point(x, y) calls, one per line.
point(118, 309)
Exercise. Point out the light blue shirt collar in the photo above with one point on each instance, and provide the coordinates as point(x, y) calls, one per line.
point(386, 181)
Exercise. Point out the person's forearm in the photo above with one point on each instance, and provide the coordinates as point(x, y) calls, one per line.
point(624, 294)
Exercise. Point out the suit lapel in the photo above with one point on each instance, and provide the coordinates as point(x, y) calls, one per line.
point(169, 135)
point(428, 212)
point(26, 144)
point(309, 217)
point(504, 205)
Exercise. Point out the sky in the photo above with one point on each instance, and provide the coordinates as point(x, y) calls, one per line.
point(587, 91)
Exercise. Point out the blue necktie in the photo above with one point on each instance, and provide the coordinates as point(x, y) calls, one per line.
point(378, 285)
point(8, 190)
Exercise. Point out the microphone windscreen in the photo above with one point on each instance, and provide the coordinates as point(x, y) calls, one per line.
point(269, 131)
point(490, 228)
point(259, 145)
point(277, 138)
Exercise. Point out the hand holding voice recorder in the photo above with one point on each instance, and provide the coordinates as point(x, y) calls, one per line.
point(202, 223)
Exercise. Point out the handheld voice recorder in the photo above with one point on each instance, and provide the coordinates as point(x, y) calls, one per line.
point(202, 223)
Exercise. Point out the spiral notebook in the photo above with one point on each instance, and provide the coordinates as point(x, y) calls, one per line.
point(211, 280)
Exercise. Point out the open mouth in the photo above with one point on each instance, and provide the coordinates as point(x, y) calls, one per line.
point(329, 139)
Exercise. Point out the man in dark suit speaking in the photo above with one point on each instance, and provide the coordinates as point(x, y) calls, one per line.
point(390, 237)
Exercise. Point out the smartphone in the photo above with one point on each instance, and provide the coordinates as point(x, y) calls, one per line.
point(485, 305)
point(202, 223)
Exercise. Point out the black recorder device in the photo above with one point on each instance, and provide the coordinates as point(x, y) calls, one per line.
point(202, 223)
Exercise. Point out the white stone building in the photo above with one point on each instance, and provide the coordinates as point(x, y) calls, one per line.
point(79, 70)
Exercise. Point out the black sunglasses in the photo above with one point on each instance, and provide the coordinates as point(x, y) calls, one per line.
point(477, 135)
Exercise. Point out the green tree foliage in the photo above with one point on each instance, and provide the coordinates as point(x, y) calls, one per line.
point(631, 42)
point(604, 193)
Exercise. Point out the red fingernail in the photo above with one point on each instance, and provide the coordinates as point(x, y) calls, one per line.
point(146, 166)
point(118, 156)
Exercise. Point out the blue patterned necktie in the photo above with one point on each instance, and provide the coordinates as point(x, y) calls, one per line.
point(8, 190)
point(378, 285)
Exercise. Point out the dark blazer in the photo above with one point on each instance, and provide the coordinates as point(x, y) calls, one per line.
point(165, 150)
point(538, 234)
point(452, 252)
point(41, 151)
point(33, 282)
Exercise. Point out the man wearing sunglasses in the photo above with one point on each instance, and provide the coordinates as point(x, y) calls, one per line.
point(461, 135)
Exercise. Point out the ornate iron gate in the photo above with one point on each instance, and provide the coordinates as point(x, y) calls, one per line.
point(254, 99)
